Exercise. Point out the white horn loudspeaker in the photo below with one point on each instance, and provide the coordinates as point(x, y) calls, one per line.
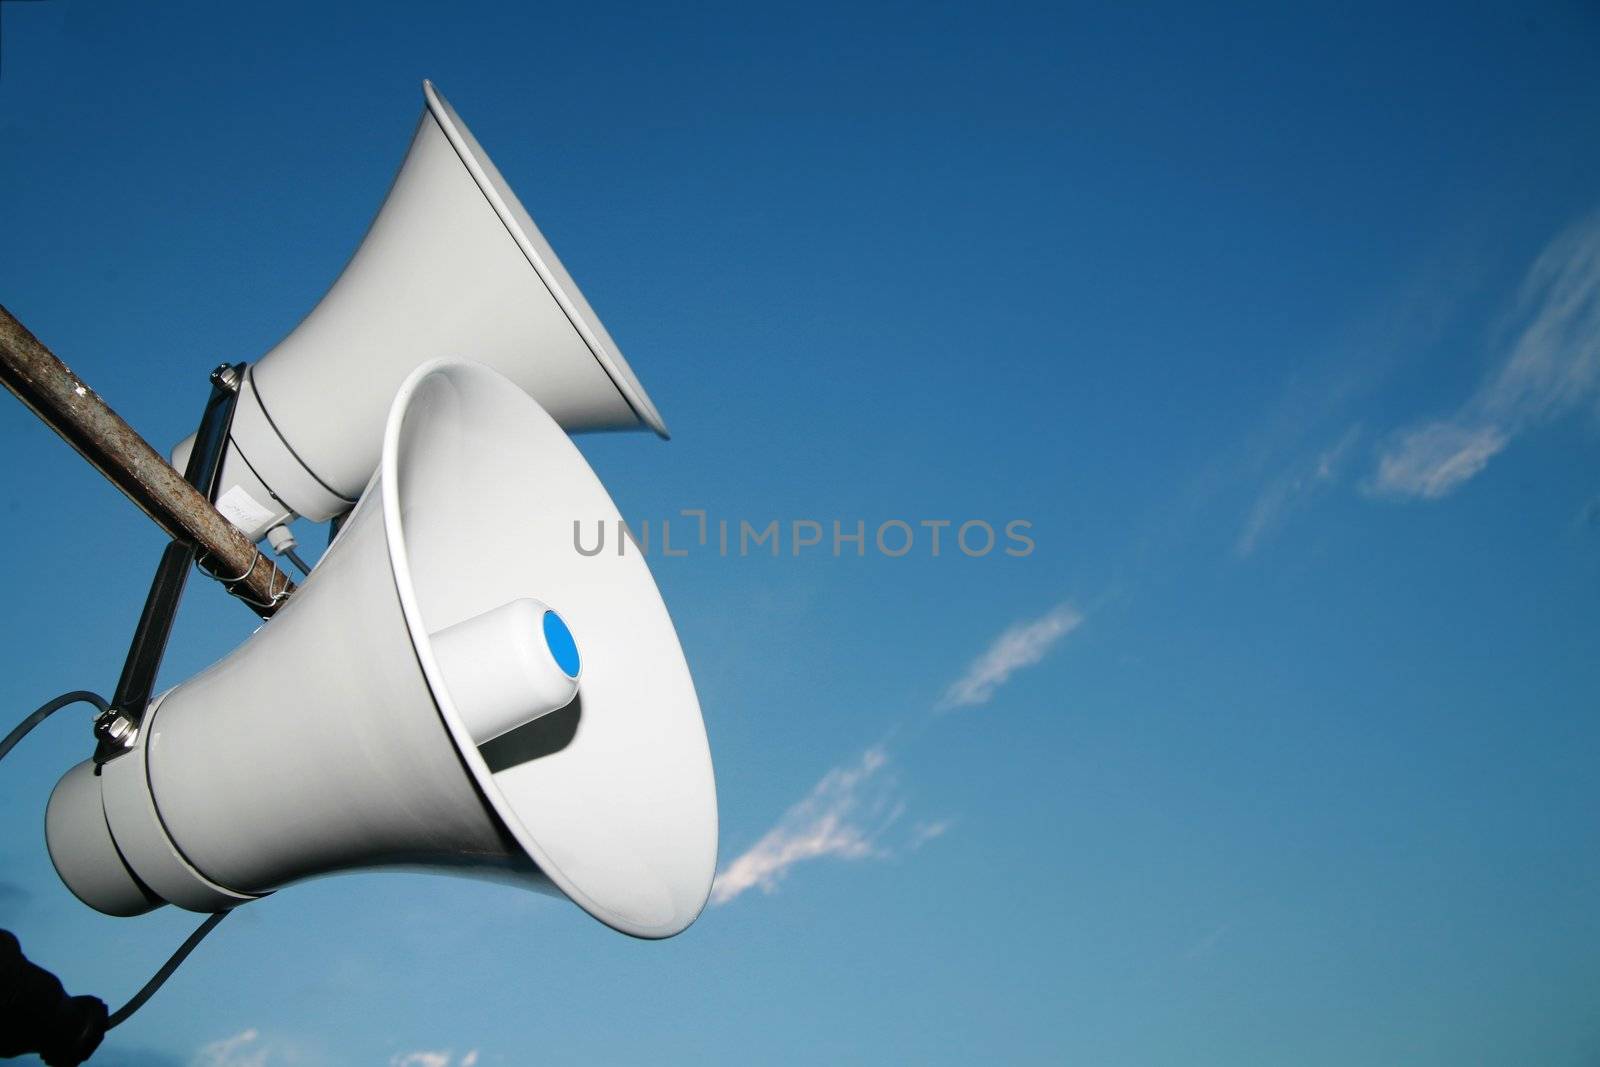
point(453, 688)
point(452, 266)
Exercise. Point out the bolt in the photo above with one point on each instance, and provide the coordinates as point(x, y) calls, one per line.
point(115, 728)
point(227, 377)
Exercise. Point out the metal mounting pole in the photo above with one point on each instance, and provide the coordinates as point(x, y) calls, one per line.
point(87, 423)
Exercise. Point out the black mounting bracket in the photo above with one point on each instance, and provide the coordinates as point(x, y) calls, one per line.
point(115, 729)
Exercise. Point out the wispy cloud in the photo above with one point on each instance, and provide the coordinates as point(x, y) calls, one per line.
point(924, 832)
point(842, 816)
point(1275, 459)
point(1436, 457)
point(850, 812)
point(1021, 645)
point(1552, 367)
point(430, 1058)
point(252, 1048)
point(244, 1049)
point(1292, 490)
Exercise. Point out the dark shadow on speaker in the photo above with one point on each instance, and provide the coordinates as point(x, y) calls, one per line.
point(543, 736)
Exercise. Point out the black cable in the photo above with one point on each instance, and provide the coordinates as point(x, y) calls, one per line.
point(48, 710)
point(120, 1016)
point(294, 558)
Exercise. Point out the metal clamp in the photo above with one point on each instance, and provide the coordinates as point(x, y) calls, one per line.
point(117, 729)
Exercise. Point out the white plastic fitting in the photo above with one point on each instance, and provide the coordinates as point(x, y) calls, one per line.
point(508, 666)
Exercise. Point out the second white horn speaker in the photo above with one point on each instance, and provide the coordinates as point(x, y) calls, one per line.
point(455, 687)
point(452, 265)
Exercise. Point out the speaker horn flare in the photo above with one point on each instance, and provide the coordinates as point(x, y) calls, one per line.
point(452, 264)
point(418, 703)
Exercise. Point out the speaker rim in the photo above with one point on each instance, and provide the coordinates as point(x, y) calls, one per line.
point(388, 476)
point(520, 225)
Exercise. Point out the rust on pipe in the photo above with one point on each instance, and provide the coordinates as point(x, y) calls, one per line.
point(86, 422)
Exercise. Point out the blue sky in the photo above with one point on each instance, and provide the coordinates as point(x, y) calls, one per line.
point(1280, 326)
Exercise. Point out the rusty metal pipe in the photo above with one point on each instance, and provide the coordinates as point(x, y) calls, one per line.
point(87, 423)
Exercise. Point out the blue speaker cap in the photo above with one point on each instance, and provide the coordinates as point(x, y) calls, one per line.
point(559, 640)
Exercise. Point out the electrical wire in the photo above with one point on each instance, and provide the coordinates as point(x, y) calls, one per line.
point(293, 557)
point(21, 730)
point(120, 1016)
point(48, 709)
